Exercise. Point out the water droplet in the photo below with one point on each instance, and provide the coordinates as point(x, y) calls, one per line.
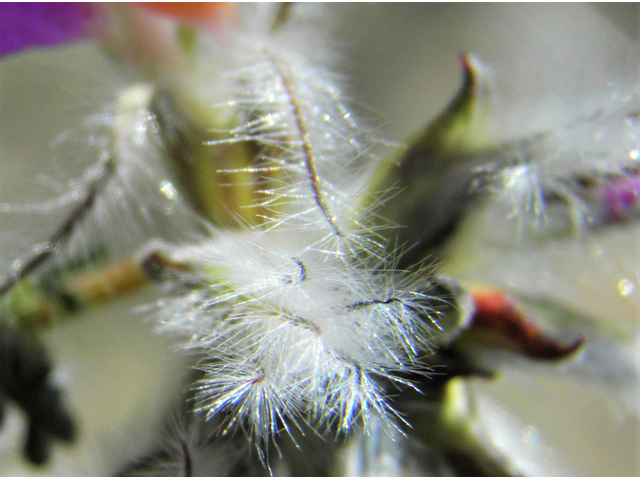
point(41, 248)
point(634, 154)
point(530, 434)
point(626, 287)
point(168, 190)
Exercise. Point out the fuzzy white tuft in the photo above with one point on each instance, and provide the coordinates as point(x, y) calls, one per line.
point(302, 317)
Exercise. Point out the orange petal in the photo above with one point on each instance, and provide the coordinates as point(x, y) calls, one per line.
point(497, 314)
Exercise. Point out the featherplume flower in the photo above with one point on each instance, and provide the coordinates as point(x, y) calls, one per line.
point(322, 283)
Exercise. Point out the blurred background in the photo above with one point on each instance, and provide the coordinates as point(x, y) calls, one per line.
point(549, 62)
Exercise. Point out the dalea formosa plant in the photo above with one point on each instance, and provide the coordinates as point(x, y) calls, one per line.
point(325, 300)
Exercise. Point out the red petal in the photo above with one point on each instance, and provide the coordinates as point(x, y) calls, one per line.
point(204, 14)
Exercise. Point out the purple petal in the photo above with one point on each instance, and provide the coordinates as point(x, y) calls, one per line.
point(27, 25)
point(621, 196)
